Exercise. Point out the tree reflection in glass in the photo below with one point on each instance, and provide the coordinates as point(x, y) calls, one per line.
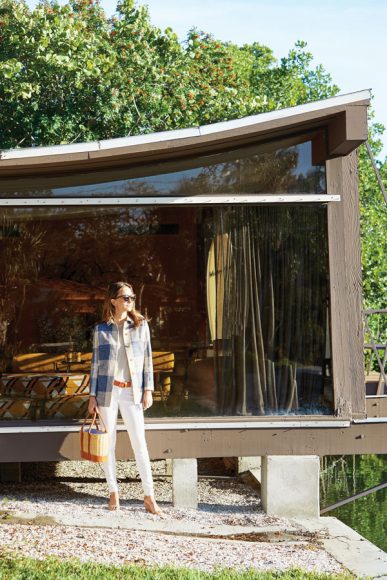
point(282, 167)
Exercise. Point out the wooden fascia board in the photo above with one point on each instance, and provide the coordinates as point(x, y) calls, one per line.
point(359, 439)
point(347, 124)
point(347, 131)
point(376, 406)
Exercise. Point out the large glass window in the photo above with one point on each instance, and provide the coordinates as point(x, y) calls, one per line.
point(281, 167)
point(237, 299)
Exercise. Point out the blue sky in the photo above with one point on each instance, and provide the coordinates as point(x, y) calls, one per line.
point(348, 37)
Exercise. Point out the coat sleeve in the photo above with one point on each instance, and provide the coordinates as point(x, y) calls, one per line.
point(94, 365)
point(148, 383)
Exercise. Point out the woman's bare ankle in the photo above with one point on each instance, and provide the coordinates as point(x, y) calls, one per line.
point(114, 501)
point(151, 505)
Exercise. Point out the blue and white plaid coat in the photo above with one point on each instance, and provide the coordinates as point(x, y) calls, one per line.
point(103, 364)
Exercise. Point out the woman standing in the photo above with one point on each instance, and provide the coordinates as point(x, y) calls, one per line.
point(122, 378)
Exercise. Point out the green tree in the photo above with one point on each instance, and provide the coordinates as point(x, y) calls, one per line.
point(373, 223)
point(373, 220)
point(291, 82)
point(69, 74)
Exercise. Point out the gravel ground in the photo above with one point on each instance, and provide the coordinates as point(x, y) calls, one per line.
point(51, 491)
point(70, 488)
point(121, 546)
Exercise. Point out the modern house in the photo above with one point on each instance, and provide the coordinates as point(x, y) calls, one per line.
point(242, 242)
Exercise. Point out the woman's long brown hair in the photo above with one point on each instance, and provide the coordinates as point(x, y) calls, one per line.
point(108, 308)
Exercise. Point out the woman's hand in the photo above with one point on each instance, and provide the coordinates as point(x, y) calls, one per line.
point(147, 400)
point(93, 407)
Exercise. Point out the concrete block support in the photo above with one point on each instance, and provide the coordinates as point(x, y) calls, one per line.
point(10, 472)
point(185, 483)
point(290, 485)
point(248, 464)
point(168, 467)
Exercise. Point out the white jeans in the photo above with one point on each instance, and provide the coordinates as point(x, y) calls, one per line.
point(133, 417)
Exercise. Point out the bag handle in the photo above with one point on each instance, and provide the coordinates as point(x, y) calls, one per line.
point(94, 421)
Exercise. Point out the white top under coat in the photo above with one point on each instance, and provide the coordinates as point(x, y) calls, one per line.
point(122, 372)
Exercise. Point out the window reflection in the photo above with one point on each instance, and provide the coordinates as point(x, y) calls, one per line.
point(237, 300)
point(276, 169)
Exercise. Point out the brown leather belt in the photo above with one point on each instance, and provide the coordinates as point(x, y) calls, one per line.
point(122, 384)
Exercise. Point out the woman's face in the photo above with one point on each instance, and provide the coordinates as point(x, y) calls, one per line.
point(124, 301)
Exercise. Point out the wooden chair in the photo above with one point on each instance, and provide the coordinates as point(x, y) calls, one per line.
point(163, 366)
point(36, 362)
point(49, 364)
point(43, 362)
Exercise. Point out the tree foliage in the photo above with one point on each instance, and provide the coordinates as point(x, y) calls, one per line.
point(373, 225)
point(70, 74)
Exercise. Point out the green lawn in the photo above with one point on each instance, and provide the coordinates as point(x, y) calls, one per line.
point(12, 568)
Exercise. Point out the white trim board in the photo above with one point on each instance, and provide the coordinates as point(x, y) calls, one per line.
point(175, 200)
point(370, 420)
point(189, 426)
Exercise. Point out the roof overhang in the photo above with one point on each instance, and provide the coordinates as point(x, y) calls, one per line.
point(344, 118)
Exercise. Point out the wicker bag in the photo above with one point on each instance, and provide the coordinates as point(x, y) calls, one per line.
point(94, 439)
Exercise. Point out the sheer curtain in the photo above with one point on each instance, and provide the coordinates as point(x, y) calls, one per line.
point(269, 308)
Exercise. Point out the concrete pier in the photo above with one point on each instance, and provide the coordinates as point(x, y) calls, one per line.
point(249, 464)
point(290, 485)
point(185, 483)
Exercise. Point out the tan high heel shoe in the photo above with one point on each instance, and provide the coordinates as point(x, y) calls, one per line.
point(114, 502)
point(151, 505)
